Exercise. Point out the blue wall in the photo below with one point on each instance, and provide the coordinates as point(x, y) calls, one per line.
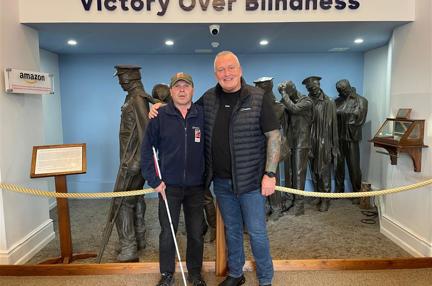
point(92, 97)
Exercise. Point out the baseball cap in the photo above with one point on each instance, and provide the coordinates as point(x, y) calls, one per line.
point(181, 76)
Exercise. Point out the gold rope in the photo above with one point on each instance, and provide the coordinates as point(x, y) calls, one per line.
point(356, 194)
point(35, 192)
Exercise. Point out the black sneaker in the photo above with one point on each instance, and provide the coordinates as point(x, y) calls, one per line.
point(167, 279)
point(197, 280)
point(231, 281)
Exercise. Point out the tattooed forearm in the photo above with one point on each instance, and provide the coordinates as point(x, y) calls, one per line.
point(273, 150)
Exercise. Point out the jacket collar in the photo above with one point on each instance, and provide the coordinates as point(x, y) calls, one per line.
point(171, 109)
point(243, 90)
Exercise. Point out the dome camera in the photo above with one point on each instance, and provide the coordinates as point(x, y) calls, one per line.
point(214, 29)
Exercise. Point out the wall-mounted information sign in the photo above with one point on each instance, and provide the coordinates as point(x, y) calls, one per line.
point(30, 82)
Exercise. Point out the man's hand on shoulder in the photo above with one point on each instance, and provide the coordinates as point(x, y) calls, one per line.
point(154, 109)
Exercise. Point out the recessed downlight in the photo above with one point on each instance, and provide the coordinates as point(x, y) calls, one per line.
point(264, 42)
point(72, 42)
point(359, 41)
point(169, 42)
point(340, 49)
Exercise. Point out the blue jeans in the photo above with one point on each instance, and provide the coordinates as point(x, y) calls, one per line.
point(247, 209)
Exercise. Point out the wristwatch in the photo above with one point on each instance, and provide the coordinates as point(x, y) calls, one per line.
point(270, 174)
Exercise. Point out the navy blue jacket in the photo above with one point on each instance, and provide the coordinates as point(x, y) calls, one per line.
point(180, 146)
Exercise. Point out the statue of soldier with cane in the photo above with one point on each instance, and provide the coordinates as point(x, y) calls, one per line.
point(128, 212)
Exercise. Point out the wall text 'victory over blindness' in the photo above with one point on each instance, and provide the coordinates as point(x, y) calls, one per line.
point(219, 5)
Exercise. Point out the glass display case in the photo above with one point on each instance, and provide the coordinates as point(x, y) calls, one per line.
point(401, 135)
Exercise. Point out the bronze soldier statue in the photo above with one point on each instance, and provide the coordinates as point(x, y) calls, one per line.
point(324, 139)
point(351, 110)
point(274, 204)
point(134, 118)
point(298, 133)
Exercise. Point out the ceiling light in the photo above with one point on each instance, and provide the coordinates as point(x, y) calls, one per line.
point(169, 42)
point(341, 49)
point(358, 41)
point(203, 51)
point(264, 42)
point(72, 42)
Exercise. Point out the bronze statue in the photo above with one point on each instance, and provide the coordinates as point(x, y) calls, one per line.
point(298, 133)
point(161, 91)
point(324, 139)
point(351, 110)
point(134, 118)
point(274, 202)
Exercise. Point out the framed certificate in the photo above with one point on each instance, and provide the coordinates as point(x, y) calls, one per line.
point(55, 160)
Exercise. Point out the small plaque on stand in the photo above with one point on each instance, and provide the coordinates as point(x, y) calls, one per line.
point(55, 160)
point(58, 161)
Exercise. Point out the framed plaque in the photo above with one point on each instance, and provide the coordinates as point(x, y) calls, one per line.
point(403, 113)
point(55, 160)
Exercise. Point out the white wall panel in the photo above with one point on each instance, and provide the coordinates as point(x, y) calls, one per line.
point(411, 57)
point(21, 128)
point(55, 11)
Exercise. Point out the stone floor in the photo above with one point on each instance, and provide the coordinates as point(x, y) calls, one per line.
point(338, 233)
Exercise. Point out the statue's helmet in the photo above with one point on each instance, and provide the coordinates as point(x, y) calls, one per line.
point(263, 79)
point(311, 80)
point(127, 73)
point(265, 83)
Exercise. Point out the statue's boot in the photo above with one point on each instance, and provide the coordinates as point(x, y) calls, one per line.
point(299, 206)
point(355, 201)
point(210, 217)
point(140, 228)
point(210, 234)
point(316, 202)
point(268, 208)
point(210, 213)
point(325, 204)
point(126, 232)
point(287, 202)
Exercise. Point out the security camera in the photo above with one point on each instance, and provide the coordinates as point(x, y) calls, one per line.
point(214, 29)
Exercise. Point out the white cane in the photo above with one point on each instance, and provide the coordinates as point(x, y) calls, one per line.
point(169, 217)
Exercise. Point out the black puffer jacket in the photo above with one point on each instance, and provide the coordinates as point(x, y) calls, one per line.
point(247, 141)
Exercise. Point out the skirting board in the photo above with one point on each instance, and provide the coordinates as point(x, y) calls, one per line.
point(30, 245)
point(209, 266)
point(409, 241)
point(52, 204)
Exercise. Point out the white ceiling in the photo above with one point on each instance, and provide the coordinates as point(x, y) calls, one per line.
point(196, 38)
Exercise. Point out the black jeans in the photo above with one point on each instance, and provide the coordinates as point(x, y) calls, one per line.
point(192, 199)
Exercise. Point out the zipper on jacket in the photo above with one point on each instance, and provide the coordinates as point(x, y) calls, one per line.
point(231, 138)
point(185, 150)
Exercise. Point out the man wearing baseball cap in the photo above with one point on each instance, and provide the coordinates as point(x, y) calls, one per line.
point(176, 133)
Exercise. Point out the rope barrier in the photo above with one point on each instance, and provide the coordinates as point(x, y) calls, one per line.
point(356, 194)
point(35, 192)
